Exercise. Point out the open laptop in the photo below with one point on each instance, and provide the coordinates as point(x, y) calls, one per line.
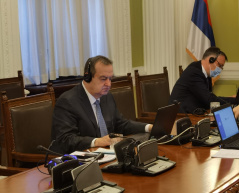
point(227, 126)
point(163, 124)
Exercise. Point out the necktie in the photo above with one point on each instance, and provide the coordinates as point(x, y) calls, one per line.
point(101, 121)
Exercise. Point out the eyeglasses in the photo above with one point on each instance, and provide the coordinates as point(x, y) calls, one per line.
point(220, 65)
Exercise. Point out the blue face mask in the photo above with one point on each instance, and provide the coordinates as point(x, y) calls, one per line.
point(216, 72)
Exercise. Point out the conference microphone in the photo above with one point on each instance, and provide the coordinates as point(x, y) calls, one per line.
point(176, 102)
point(162, 138)
point(48, 151)
point(85, 166)
point(113, 135)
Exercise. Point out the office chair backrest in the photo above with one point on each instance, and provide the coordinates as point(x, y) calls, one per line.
point(27, 122)
point(14, 88)
point(60, 86)
point(152, 91)
point(123, 93)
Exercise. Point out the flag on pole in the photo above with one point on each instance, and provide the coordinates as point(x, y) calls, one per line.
point(201, 34)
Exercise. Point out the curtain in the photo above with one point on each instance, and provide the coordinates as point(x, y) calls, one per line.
point(58, 36)
point(166, 25)
point(119, 35)
point(10, 57)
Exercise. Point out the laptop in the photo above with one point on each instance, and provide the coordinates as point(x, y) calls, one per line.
point(163, 124)
point(227, 126)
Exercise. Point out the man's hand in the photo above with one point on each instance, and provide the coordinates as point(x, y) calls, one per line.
point(103, 141)
point(236, 111)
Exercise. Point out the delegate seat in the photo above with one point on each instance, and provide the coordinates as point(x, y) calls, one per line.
point(14, 88)
point(27, 122)
point(152, 92)
point(122, 90)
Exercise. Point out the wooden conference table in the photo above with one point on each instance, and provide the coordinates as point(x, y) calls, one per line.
point(195, 171)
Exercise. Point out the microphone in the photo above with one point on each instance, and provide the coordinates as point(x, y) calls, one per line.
point(176, 102)
point(47, 150)
point(113, 135)
point(42, 148)
point(162, 138)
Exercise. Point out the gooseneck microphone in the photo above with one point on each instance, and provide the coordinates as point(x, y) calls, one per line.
point(181, 109)
point(113, 135)
point(48, 151)
point(42, 148)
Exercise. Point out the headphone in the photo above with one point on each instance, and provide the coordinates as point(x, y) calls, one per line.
point(212, 59)
point(87, 74)
point(199, 112)
point(57, 161)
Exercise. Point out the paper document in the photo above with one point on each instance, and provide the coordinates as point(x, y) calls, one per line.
point(227, 153)
point(105, 151)
point(107, 157)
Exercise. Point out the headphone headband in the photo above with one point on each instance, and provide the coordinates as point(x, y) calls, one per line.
point(87, 74)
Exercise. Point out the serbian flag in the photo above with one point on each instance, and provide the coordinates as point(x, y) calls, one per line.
point(201, 34)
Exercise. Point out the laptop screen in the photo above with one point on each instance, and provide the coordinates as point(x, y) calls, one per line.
point(226, 122)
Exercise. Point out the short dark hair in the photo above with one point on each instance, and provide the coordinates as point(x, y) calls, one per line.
point(93, 61)
point(213, 51)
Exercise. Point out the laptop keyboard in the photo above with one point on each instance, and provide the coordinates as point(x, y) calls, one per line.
point(234, 144)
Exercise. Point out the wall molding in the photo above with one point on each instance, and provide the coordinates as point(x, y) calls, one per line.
point(230, 71)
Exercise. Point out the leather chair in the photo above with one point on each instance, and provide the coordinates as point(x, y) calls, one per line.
point(15, 88)
point(152, 92)
point(122, 90)
point(60, 86)
point(27, 122)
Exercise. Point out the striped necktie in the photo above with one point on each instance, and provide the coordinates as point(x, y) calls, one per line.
point(101, 121)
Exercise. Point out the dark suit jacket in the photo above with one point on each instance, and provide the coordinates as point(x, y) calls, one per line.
point(194, 90)
point(74, 123)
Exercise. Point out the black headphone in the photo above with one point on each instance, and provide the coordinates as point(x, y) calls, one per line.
point(87, 74)
point(199, 112)
point(55, 161)
point(212, 59)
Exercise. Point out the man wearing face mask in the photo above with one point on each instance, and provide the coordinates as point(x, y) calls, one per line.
point(194, 87)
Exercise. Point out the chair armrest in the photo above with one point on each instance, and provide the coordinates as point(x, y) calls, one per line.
point(31, 157)
point(8, 171)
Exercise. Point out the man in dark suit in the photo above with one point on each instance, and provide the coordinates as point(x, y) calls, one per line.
point(194, 87)
point(77, 124)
